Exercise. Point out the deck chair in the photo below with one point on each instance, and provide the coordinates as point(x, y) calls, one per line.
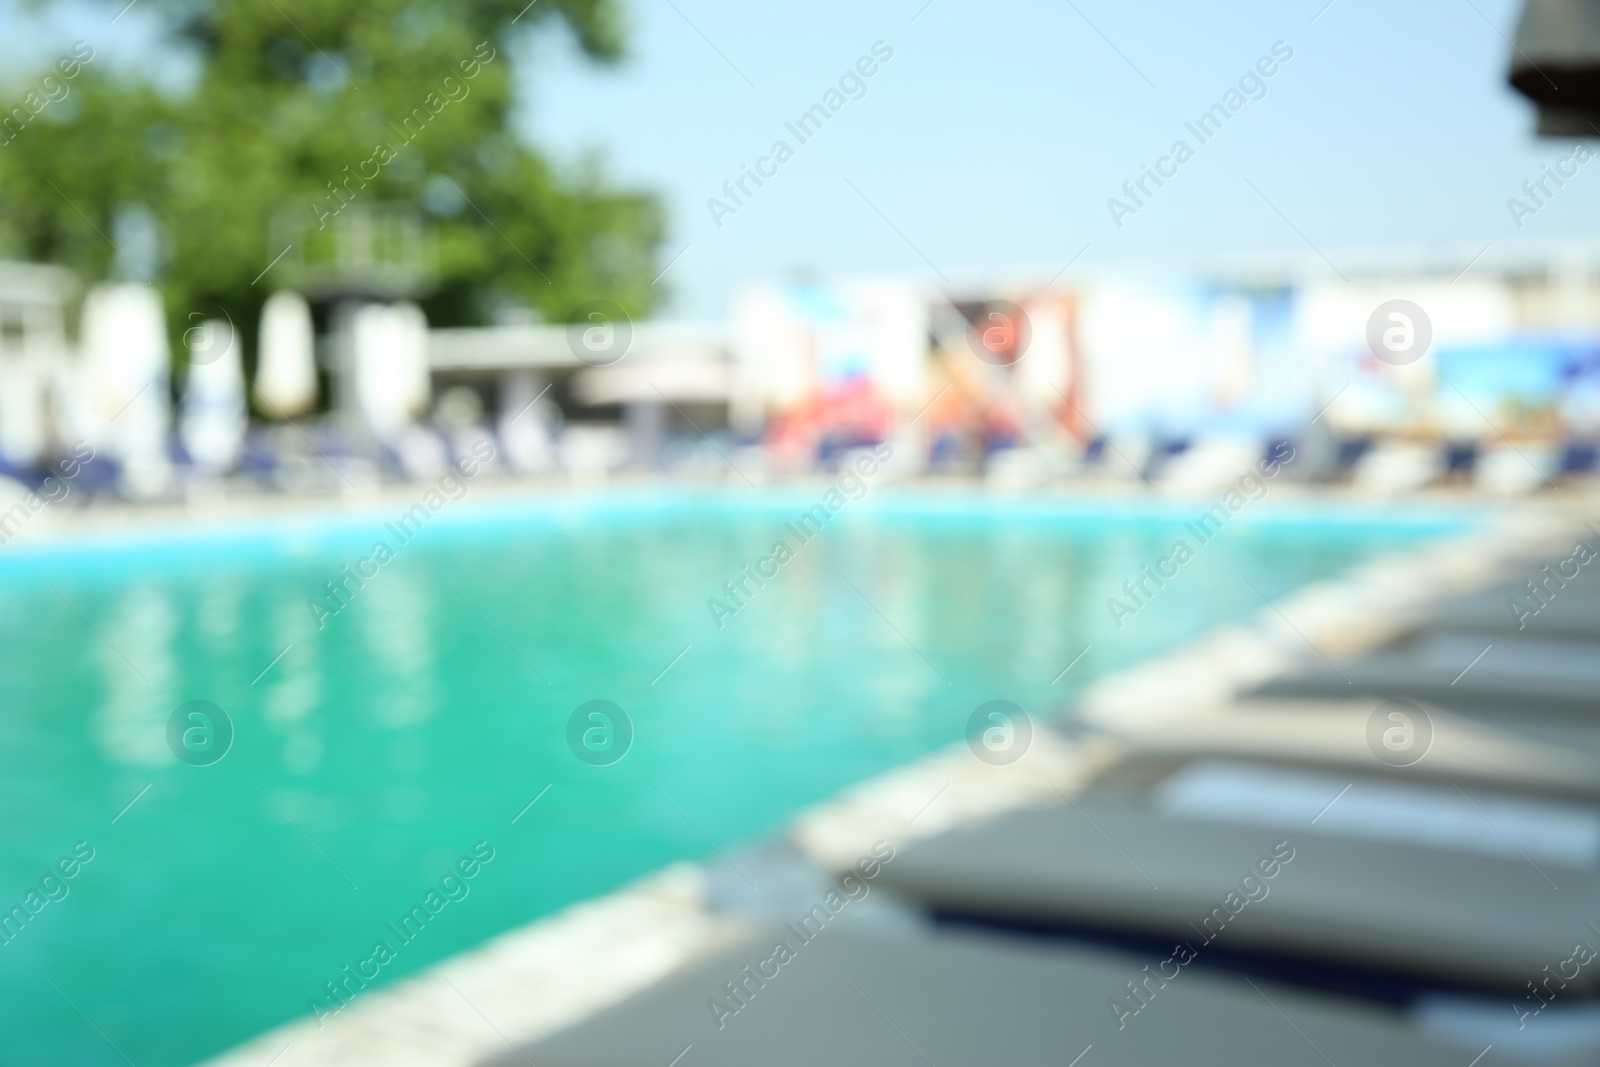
point(957, 999)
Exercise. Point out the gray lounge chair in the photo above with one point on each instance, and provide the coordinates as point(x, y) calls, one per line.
point(1556, 756)
point(1443, 871)
point(1570, 612)
point(1446, 904)
point(961, 999)
point(1507, 646)
point(1525, 673)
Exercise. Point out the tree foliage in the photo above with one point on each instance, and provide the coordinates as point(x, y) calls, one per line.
point(292, 98)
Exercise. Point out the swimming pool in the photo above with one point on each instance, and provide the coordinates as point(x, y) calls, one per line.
point(398, 738)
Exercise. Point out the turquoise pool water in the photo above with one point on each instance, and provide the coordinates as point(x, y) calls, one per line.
point(424, 716)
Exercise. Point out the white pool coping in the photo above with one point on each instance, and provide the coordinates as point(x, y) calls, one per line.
point(542, 977)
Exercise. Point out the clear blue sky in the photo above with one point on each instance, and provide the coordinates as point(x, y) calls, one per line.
point(995, 135)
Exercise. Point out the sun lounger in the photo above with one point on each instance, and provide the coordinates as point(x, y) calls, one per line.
point(1572, 612)
point(1407, 880)
point(1524, 650)
point(959, 999)
point(1557, 757)
point(1520, 672)
point(1440, 873)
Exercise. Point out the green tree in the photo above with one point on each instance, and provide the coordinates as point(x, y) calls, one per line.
point(302, 105)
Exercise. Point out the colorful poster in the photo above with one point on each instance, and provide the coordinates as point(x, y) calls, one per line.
point(829, 366)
